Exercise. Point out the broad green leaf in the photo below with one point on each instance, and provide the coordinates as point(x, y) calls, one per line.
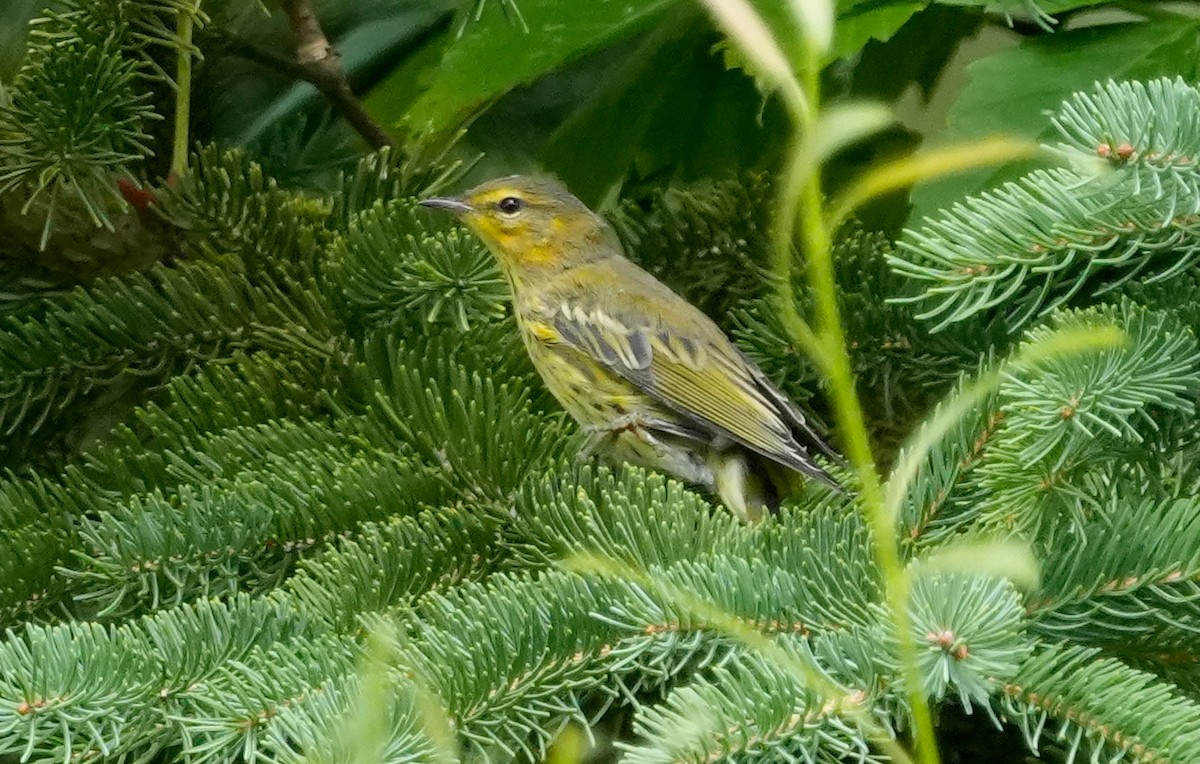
point(390, 100)
point(495, 53)
point(760, 47)
point(593, 150)
point(1028, 7)
point(858, 27)
point(739, 20)
point(914, 55)
point(857, 22)
point(14, 25)
point(1012, 91)
point(1060, 6)
point(800, 665)
point(670, 106)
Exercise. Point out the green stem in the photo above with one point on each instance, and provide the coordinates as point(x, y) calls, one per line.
point(791, 189)
point(835, 358)
point(183, 92)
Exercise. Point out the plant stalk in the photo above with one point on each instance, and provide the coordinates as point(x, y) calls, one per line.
point(808, 207)
point(183, 91)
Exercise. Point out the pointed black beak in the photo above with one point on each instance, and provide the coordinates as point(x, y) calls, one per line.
point(449, 204)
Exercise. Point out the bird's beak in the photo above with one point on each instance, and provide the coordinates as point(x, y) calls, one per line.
point(447, 203)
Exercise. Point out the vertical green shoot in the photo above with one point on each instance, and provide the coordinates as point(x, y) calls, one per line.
point(816, 240)
point(800, 202)
point(184, 25)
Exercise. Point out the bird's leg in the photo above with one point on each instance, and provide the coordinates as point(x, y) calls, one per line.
point(638, 424)
point(594, 439)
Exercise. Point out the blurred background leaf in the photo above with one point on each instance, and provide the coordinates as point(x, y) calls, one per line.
point(14, 25)
point(494, 52)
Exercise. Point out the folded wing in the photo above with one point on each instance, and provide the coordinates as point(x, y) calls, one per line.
point(707, 381)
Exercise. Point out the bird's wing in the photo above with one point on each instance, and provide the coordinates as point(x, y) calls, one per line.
point(689, 366)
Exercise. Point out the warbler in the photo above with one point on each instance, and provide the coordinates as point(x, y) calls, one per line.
point(644, 372)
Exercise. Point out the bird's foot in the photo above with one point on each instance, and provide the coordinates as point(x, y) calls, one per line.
point(639, 425)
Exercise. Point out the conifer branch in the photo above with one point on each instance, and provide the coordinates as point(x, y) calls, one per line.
point(735, 712)
point(483, 436)
point(1152, 128)
point(1101, 706)
point(1052, 236)
point(1064, 418)
point(1129, 563)
point(241, 534)
point(453, 549)
point(442, 275)
point(76, 119)
point(928, 509)
point(708, 241)
point(326, 725)
point(1063, 399)
point(968, 627)
point(227, 204)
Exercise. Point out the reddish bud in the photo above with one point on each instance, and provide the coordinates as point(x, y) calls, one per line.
point(141, 198)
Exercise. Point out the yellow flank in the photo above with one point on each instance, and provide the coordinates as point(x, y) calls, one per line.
point(541, 332)
point(651, 378)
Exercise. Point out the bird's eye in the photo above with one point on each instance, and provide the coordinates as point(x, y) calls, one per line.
point(510, 205)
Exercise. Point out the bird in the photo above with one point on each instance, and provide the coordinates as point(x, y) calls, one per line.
point(649, 377)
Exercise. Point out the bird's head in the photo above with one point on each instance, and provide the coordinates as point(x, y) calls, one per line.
point(529, 223)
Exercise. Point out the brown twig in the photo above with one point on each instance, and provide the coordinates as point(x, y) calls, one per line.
point(316, 62)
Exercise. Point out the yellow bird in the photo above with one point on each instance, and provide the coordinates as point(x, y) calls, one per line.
point(646, 373)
